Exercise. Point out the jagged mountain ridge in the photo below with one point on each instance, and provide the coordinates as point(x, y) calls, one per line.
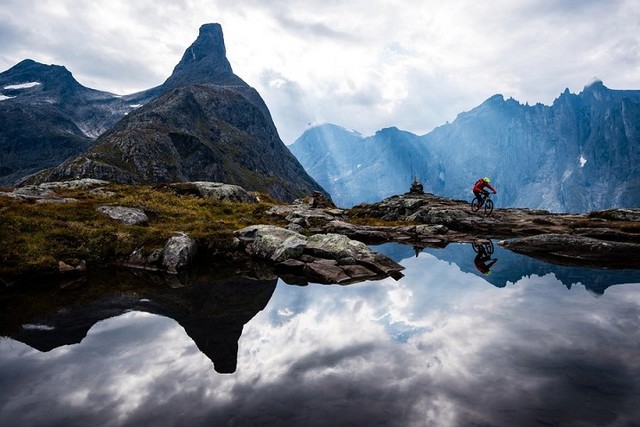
point(581, 153)
point(46, 116)
point(203, 123)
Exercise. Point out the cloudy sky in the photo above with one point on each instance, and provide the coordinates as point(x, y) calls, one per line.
point(362, 64)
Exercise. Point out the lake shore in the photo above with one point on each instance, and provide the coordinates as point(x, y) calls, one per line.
point(65, 229)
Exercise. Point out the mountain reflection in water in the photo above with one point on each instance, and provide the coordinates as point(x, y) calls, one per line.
point(529, 344)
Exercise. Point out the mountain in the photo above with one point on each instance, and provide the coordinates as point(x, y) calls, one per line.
point(353, 166)
point(581, 153)
point(46, 116)
point(203, 123)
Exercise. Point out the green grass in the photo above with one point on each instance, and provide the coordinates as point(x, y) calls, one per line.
point(34, 237)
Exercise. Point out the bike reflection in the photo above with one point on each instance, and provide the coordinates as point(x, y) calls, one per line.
point(483, 261)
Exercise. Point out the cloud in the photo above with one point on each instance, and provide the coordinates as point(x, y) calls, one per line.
point(363, 65)
point(472, 354)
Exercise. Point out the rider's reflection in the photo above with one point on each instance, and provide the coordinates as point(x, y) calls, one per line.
point(483, 260)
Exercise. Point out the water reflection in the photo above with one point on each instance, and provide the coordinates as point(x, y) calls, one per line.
point(212, 313)
point(440, 347)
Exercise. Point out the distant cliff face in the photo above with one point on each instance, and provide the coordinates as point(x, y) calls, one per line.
point(581, 153)
point(203, 123)
point(355, 169)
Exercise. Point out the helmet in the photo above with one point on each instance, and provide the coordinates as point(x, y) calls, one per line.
point(486, 179)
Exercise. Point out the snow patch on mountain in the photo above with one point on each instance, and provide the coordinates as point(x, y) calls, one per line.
point(582, 161)
point(22, 85)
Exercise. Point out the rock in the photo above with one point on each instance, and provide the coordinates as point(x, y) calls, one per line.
point(416, 187)
point(617, 214)
point(57, 200)
point(216, 190)
point(128, 216)
point(291, 247)
point(319, 200)
point(178, 253)
point(63, 267)
point(358, 272)
point(271, 242)
point(439, 229)
point(326, 271)
point(248, 234)
point(74, 184)
point(336, 246)
point(576, 250)
point(329, 258)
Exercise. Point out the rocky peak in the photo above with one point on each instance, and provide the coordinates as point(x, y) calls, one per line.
point(204, 62)
point(28, 75)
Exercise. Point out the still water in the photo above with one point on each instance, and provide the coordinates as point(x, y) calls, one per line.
point(531, 344)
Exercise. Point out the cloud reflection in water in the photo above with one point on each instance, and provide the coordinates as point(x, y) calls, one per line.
point(439, 347)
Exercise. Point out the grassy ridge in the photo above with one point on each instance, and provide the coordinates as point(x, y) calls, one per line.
point(34, 237)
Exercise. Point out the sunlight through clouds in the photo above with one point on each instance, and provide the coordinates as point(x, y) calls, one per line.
point(335, 53)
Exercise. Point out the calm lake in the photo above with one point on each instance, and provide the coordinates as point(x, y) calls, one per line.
point(531, 344)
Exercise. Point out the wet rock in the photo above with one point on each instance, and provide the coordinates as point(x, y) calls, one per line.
point(326, 270)
point(576, 250)
point(327, 258)
point(128, 216)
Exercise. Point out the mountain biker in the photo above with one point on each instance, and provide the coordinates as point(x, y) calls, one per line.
point(480, 192)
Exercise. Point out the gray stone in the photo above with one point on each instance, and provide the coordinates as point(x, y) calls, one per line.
point(336, 246)
point(128, 216)
point(291, 247)
point(178, 253)
point(219, 191)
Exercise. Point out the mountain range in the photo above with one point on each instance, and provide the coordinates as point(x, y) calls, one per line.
point(204, 123)
point(581, 153)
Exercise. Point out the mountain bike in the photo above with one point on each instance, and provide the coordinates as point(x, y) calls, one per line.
point(485, 202)
point(483, 246)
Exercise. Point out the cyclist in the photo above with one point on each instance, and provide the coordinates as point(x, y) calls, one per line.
point(480, 192)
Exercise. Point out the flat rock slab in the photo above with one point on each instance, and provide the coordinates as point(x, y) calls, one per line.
point(128, 216)
point(216, 190)
point(577, 250)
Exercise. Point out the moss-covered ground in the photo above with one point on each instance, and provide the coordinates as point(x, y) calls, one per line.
point(35, 236)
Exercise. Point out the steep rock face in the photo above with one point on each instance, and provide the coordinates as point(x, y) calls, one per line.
point(46, 116)
point(203, 124)
point(581, 153)
point(193, 133)
point(354, 168)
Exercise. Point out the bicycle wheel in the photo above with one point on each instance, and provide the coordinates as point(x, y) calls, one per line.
point(488, 247)
point(488, 207)
point(475, 204)
point(477, 247)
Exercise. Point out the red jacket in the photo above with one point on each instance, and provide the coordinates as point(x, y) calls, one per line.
point(480, 184)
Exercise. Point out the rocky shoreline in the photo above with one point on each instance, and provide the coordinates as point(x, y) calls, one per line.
point(314, 241)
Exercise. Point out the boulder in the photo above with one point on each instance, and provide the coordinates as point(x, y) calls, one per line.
point(326, 258)
point(178, 253)
point(336, 246)
point(128, 216)
point(216, 190)
point(576, 250)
